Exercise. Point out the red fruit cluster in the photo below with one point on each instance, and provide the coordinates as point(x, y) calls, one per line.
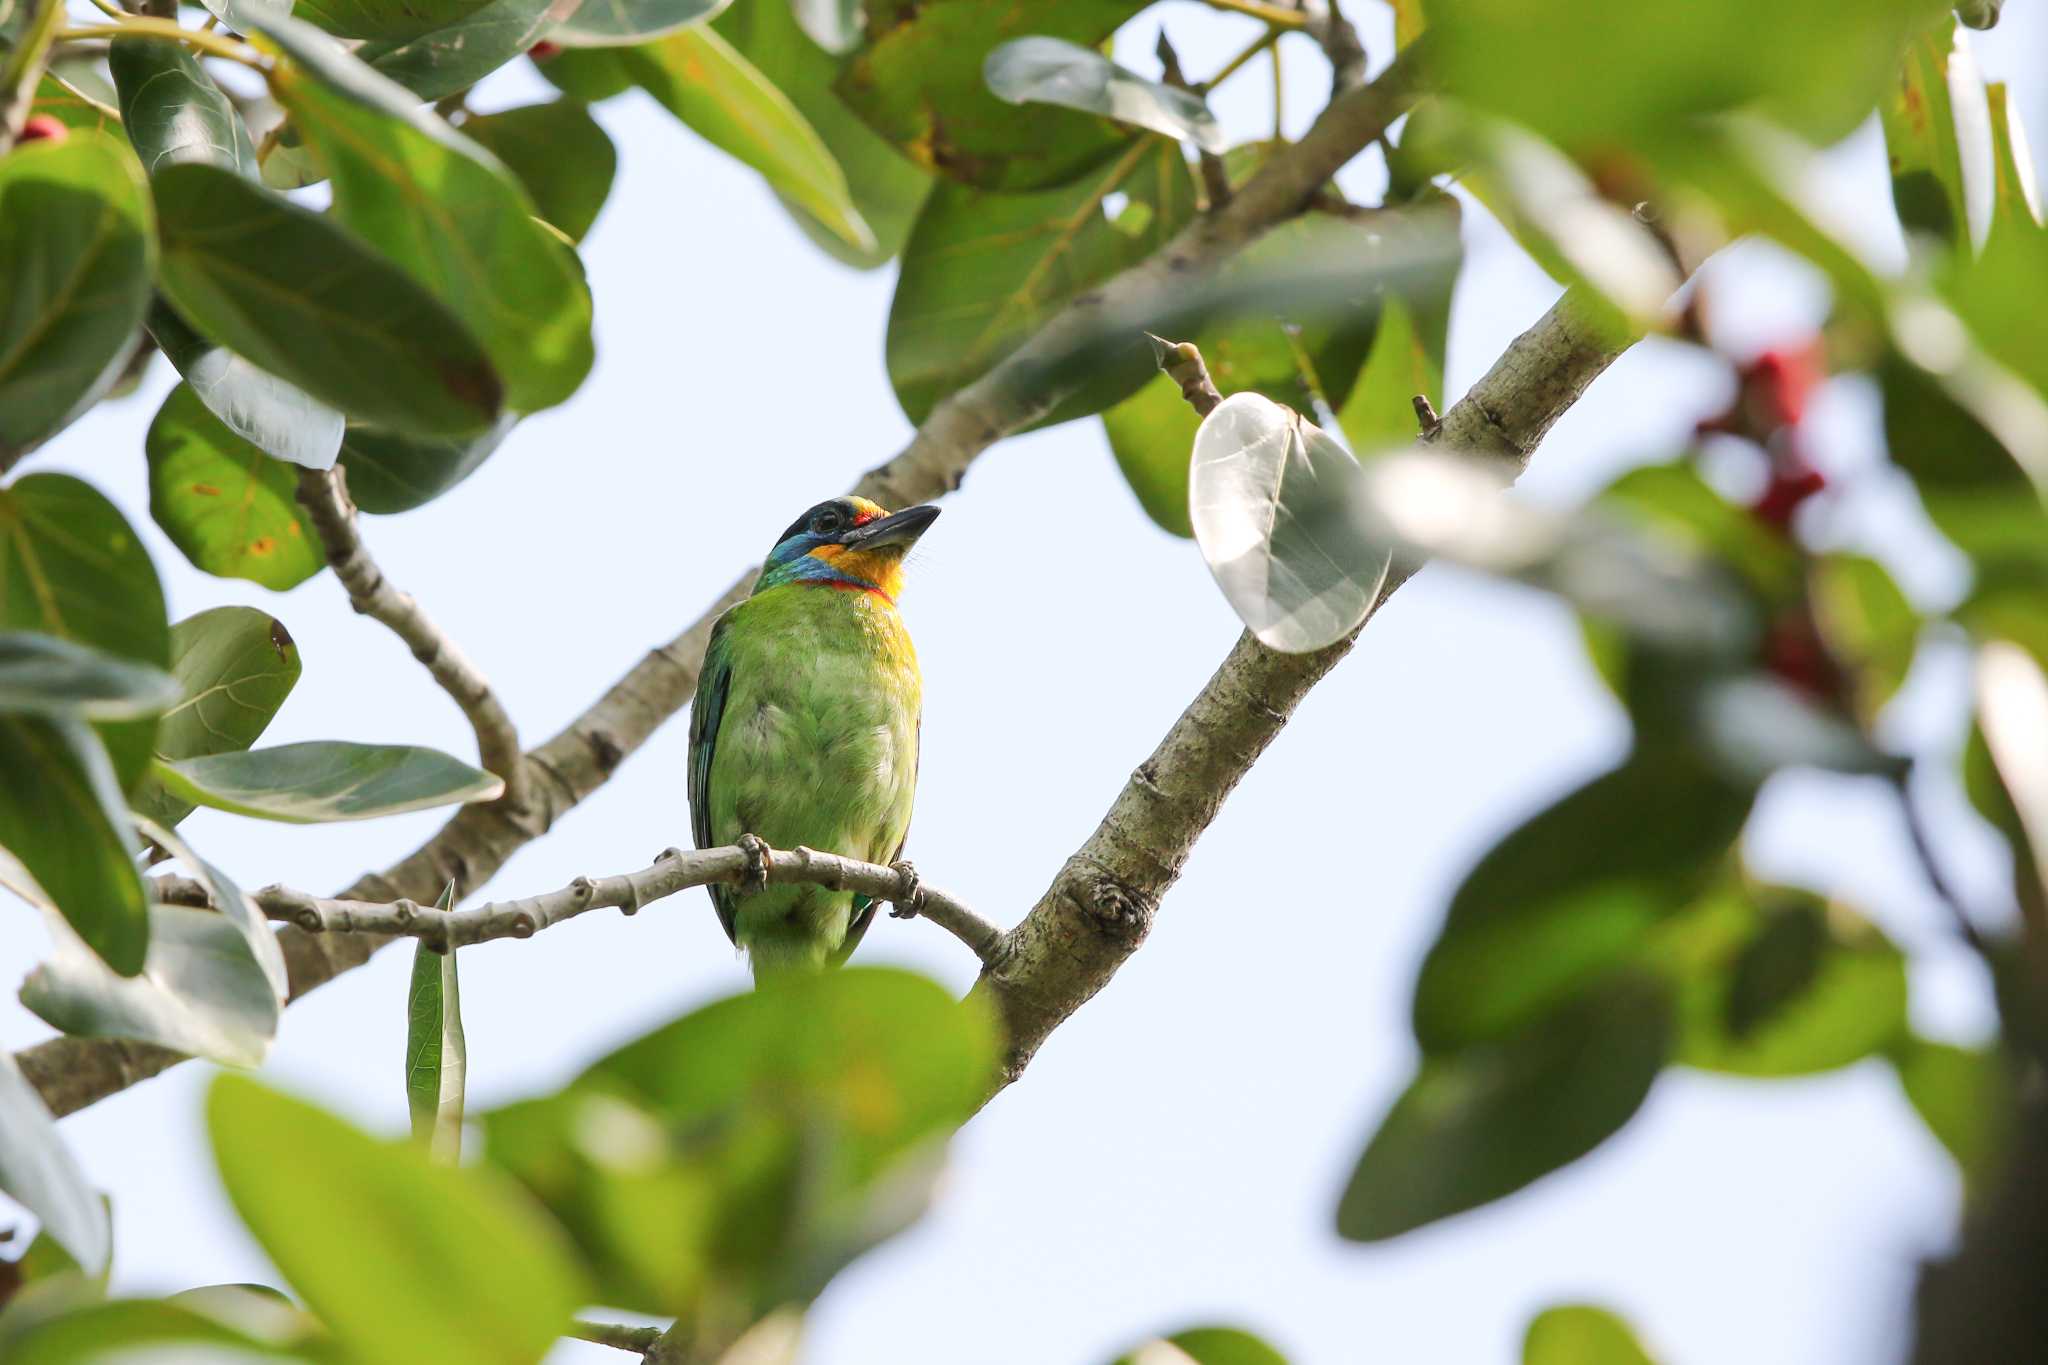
point(1794, 653)
point(1793, 481)
point(43, 128)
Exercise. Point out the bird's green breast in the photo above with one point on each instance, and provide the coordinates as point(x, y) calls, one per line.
point(816, 745)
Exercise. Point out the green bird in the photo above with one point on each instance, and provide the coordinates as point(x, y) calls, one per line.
point(806, 725)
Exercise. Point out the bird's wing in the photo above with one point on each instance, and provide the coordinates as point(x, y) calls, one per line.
point(714, 680)
point(864, 906)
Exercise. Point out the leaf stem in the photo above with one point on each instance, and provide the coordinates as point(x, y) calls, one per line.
point(1279, 16)
point(1279, 97)
point(1237, 63)
point(24, 70)
point(140, 26)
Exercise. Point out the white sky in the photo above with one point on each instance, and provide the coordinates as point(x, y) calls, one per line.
point(1175, 1153)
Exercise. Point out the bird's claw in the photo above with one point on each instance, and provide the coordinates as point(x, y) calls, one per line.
point(756, 849)
point(909, 896)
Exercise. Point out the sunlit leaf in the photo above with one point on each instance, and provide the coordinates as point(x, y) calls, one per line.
point(463, 1272)
point(172, 110)
point(1204, 1346)
point(1967, 1096)
point(701, 79)
point(76, 255)
point(323, 780)
point(1580, 1334)
point(231, 508)
point(1053, 71)
point(1406, 362)
point(1480, 1123)
point(184, 1327)
point(1867, 623)
point(1937, 127)
point(38, 1172)
point(2016, 196)
point(1268, 496)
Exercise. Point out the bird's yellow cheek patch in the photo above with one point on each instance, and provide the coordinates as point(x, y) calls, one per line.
point(883, 567)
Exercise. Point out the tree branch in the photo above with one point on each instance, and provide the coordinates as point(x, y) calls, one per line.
point(1103, 902)
point(618, 1336)
point(324, 495)
point(474, 844)
point(675, 870)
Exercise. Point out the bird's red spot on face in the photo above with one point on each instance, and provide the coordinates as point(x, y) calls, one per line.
point(865, 511)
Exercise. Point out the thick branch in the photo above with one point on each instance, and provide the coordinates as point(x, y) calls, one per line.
point(1104, 900)
point(474, 844)
point(325, 497)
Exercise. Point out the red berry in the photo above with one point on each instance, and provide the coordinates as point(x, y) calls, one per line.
point(1794, 654)
point(43, 128)
point(543, 50)
point(1792, 483)
point(1778, 383)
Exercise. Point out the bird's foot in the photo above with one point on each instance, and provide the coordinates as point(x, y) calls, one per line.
point(909, 897)
point(756, 849)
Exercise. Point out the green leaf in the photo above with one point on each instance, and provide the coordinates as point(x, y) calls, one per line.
point(1868, 626)
point(887, 188)
point(628, 23)
point(1672, 501)
point(1406, 360)
point(2016, 198)
point(73, 107)
point(376, 20)
point(232, 509)
point(38, 1172)
point(590, 74)
point(234, 667)
point(702, 80)
point(391, 473)
point(436, 1056)
point(75, 265)
point(1937, 128)
point(1204, 1346)
point(558, 152)
point(1975, 491)
point(2012, 710)
point(1267, 494)
point(1808, 987)
point(1482, 1122)
point(1967, 1097)
point(1152, 434)
point(231, 903)
point(463, 1270)
point(71, 567)
point(449, 59)
point(324, 780)
point(43, 675)
point(918, 82)
point(202, 990)
point(1579, 1334)
point(1053, 71)
point(449, 214)
point(1818, 67)
point(983, 271)
point(173, 111)
point(310, 303)
point(1569, 896)
point(1982, 294)
point(191, 1326)
point(734, 1160)
point(279, 418)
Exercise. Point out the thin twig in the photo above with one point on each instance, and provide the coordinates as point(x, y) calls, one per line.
point(1215, 179)
point(1930, 864)
point(1279, 16)
point(1425, 416)
point(616, 1335)
point(142, 26)
point(1279, 94)
point(1182, 362)
point(1237, 63)
point(1328, 26)
point(325, 498)
point(674, 871)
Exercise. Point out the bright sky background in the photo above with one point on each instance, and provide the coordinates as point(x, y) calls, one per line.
point(1175, 1153)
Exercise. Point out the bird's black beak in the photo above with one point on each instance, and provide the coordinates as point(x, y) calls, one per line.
point(898, 528)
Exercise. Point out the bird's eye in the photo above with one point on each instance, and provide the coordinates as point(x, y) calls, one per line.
point(826, 522)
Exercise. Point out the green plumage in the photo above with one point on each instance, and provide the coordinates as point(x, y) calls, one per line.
point(805, 732)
